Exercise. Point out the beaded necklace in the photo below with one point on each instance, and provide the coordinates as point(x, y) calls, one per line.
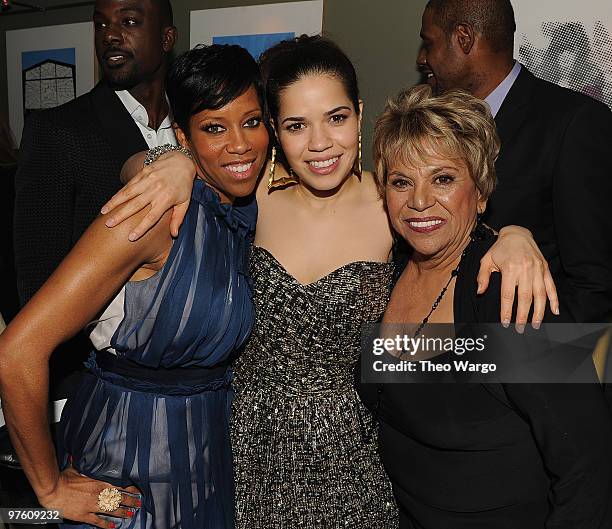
point(442, 292)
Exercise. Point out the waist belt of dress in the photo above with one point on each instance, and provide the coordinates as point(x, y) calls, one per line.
point(164, 376)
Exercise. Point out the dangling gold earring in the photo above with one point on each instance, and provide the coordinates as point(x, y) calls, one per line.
point(272, 169)
point(274, 183)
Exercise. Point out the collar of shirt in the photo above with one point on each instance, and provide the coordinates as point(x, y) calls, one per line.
point(496, 98)
point(139, 112)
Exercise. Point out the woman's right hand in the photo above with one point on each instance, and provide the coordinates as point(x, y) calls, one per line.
point(76, 497)
point(165, 184)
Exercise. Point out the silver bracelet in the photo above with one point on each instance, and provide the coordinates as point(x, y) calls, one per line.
point(156, 152)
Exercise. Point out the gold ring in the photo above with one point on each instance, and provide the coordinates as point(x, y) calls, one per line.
point(109, 499)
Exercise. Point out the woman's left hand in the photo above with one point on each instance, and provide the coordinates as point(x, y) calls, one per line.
point(517, 256)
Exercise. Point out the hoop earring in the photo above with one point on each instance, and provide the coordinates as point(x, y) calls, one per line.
point(275, 183)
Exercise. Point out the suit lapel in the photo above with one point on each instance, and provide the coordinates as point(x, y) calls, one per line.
point(115, 123)
point(514, 109)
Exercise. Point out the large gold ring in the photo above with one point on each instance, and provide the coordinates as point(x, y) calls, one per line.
point(109, 499)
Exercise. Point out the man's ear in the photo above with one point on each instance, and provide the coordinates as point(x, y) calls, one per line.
point(180, 136)
point(465, 36)
point(169, 38)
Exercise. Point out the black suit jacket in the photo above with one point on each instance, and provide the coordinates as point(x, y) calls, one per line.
point(9, 300)
point(70, 161)
point(555, 178)
point(494, 456)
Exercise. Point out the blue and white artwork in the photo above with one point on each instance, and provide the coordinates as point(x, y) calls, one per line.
point(49, 78)
point(255, 44)
point(47, 66)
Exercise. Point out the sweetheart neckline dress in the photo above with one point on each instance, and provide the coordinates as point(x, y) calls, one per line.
point(305, 454)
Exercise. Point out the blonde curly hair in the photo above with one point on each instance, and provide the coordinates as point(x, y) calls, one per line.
point(454, 125)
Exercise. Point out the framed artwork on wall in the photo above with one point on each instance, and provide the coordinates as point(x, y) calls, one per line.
point(256, 27)
point(46, 67)
point(567, 43)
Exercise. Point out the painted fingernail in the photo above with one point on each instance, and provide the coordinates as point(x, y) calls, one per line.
point(520, 328)
point(536, 324)
point(130, 513)
point(112, 525)
point(556, 310)
point(505, 324)
point(138, 503)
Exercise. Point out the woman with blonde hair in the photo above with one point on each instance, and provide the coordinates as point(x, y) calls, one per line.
point(472, 455)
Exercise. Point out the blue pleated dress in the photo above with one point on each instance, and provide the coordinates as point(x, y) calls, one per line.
point(161, 424)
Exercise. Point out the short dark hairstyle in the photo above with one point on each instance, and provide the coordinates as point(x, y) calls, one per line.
point(165, 12)
point(210, 77)
point(494, 19)
point(290, 60)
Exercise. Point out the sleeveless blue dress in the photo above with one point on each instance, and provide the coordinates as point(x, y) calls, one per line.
point(162, 422)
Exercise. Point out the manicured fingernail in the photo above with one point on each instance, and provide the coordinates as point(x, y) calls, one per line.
point(505, 324)
point(110, 222)
point(520, 328)
point(479, 288)
point(556, 310)
point(104, 210)
point(130, 513)
point(138, 503)
point(536, 324)
point(112, 525)
point(132, 236)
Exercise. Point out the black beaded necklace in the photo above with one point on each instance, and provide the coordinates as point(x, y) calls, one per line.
point(438, 300)
point(473, 236)
point(480, 232)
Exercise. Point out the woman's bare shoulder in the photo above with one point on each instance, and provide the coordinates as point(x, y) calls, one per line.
point(147, 248)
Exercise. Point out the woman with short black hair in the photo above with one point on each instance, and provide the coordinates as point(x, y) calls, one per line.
point(144, 440)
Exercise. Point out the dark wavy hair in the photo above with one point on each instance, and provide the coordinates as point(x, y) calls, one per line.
point(290, 60)
point(208, 78)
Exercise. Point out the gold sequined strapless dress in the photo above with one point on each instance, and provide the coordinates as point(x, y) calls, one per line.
point(305, 447)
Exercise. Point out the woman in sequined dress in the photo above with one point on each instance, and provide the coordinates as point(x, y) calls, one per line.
point(151, 415)
point(303, 450)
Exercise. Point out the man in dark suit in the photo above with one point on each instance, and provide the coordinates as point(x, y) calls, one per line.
point(71, 156)
point(554, 172)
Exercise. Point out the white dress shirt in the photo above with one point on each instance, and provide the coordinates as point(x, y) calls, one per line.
point(496, 98)
point(153, 137)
